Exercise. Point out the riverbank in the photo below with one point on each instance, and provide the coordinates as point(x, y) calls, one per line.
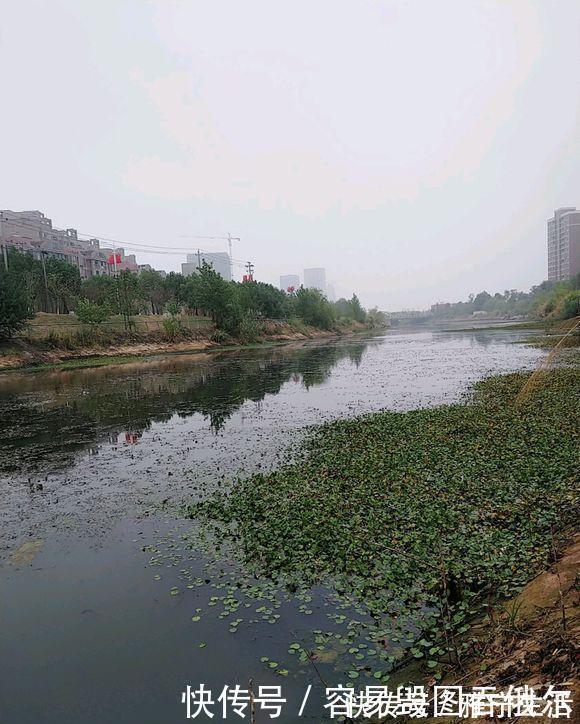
point(532, 639)
point(43, 353)
point(95, 464)
point(420, 518)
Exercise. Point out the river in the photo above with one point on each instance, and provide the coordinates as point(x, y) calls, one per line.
point(106, 594)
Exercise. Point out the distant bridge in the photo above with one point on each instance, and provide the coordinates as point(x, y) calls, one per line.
point(408, 314)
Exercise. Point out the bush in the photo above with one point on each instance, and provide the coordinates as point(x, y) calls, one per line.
point(172, 328)
point(569, 306)
point(173, 307)
point(248, 330)
point(220, 337)
point(91, 313)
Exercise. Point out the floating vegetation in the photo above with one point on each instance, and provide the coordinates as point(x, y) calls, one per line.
point(409, 520)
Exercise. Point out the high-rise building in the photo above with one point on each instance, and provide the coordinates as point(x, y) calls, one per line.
point(315, 278)
point(564, 244)
point(289, 282)
point(219, 260)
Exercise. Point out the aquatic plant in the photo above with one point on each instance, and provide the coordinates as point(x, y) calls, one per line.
point(417, 516)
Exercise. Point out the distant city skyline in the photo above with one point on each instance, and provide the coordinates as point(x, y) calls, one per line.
point(33, 232)
point(434, 188)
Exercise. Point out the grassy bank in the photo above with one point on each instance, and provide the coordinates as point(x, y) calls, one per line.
point(421, 516)
point(57, 345)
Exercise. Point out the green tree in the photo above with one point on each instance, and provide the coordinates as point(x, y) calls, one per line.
point(128, 297)
point(153, 290)
point(64, 284)
point(100, 289)
point(314, 309)
point(258, 299)
point(210, 292)
point(569, 305)
point(358, 313)
point(14, 304)
point(28, 271)
point(91, 313)
point(177, 288)
point(481, 300)
point(173, 307)
point(350, 309)
point(376, 319)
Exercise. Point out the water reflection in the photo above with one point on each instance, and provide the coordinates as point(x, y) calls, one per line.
point(47, 418)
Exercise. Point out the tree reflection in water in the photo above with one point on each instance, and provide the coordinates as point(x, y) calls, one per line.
point(46, 419)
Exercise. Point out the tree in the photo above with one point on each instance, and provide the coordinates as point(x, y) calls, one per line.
point(153, 290)
point(569, 305)
point(173, 307)
point(128, 290)
point(14, 304)
point(481, 300)
point(314, 309)
point(376, 319)
point(91, 313)
point(64, 284)
point(350, 309)
point(261, 300)
point(28, 271)
point(358, 313)
point(100, 289)
point(212, 293)
point(177, 287)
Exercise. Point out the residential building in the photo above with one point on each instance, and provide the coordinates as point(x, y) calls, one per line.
point(219, 260)
point(315, 278)
point(289, 282)
point(32, 232)
point(564, 244)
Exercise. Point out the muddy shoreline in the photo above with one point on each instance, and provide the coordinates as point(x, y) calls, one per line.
point(27, 356)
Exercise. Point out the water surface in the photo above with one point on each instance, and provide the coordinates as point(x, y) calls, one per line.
point(96, 609)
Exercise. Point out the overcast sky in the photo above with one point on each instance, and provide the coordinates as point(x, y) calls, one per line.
point(414, 148)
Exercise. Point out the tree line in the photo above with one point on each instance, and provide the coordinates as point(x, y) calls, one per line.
point(28, 286)
point(558, 300)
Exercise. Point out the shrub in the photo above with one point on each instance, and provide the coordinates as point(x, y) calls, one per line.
point(172, 328)
point(569, 306)
point(219, 336)
point(91, 313)
point(248, 330)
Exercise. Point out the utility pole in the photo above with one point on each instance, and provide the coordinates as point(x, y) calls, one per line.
point(250, 270)
point(5, 255)
point(230, 239)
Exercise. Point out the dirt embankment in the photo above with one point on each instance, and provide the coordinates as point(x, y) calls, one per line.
point(30, 352)
point(533, 639)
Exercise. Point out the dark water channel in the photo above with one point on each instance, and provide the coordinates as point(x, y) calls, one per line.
point(105, 613)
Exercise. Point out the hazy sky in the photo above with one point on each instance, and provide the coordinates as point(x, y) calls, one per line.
point(414, 148)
